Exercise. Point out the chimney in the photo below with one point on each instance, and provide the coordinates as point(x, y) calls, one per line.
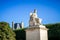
point(12, 25)
point(22, 25)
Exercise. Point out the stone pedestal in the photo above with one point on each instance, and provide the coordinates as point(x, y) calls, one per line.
point(36, 33)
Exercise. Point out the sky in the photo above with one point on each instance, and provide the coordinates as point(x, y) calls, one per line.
point(19, 10)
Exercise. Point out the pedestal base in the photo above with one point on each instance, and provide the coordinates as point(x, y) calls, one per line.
point(36, 33)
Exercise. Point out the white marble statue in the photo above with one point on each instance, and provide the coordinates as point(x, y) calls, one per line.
point(34, 20)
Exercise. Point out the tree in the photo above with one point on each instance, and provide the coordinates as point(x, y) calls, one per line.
point(20, 34)
point(6, 33)
point(54, 31)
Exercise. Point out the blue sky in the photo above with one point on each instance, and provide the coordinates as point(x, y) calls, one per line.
point(19, 10)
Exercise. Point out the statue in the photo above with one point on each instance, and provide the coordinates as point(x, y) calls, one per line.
point(34, 20)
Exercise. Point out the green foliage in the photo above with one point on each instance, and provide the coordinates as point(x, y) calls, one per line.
point(54, 31)
point(5, 32)
point(20, 34)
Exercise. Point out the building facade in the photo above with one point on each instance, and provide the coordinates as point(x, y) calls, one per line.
point(16, 26)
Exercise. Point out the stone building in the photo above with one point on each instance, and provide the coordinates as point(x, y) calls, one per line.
point(17, 25)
